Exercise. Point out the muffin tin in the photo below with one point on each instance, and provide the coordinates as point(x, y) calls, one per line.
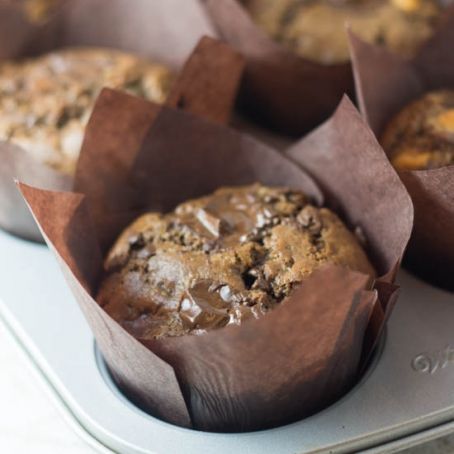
point(404, 398)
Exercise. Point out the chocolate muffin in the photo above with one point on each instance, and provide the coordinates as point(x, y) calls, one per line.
point(421, 136)
point(220, 259)
point(315, 29)
point(45, 102)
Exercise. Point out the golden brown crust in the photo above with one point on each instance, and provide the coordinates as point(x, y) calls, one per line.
point(421, 136)
point(315, 29)
point(45, 102)
point(221, 259)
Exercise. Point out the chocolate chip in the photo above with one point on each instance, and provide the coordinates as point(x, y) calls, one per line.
point(202, 307)
point(214, 224)
point(269, 212)
point(262, 220)
point(249, 279)
point(261, 283)
point(309, 218)
point(296, 198)
point(136, 241)
point(189, 311)
point(146, 252)
point(207, 247)
point(269, 199)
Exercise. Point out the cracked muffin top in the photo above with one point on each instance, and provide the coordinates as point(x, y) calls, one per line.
point(421, 135)
point(220, 259)
point(316, 29)
point(45, 102)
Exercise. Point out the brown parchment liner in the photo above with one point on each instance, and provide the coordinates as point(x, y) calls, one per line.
point(162, 31)
point(284, 366)
point(285, 91)
point(385, 84)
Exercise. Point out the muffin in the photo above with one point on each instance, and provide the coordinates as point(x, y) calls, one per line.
point(45, 102)
point(315, 29)
point(421, 135)
point(220, 259)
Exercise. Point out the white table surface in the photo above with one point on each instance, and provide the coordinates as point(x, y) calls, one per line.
point(30, 424)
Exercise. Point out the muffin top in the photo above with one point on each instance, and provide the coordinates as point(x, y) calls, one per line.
point(45, 102)
point(316, 29)
point(421, 136)
point(220, 259)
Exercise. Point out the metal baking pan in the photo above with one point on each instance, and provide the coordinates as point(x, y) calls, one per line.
point(405, 398)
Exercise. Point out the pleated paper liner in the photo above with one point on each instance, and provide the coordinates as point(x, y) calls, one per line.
point(288, 93)
point(385, 84)
point(161, 31)
point(298, 358)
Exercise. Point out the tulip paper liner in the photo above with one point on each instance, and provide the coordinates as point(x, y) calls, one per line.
point(206, 83)
point(296, 359)
point(285, 91)
point(385, 84)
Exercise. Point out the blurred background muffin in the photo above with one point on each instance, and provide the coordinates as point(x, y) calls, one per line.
point(45, 102)
point(38, 10)
point(421, 135)
point(221, 259)
point(315, 29)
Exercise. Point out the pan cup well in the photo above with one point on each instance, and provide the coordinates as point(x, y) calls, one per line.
point(165, 32)
point(269, 371)
point(137, 405)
